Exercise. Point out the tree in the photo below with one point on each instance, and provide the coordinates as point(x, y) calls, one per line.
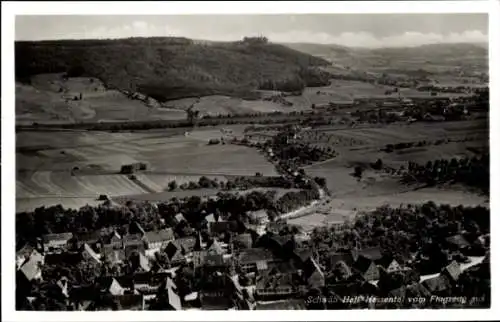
point(358, 171)
point(172, 185)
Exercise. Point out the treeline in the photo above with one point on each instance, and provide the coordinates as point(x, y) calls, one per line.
point(270, 118)
point(295, 199)
point(474, 172)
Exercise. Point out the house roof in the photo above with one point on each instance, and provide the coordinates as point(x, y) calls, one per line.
point(289, 304)
point(213, 260)
point(362, 264)
point(223, 226)
point(89, 237)
point(180, 217)
point(114, 287)
point(386, 261)
point(253, 255)
point(398, 292)
point(186, 244)
point(132, 238)
point(458, 240)
point(114, 255)
point(159, 236)
point(32, 266)
point(27, 249)
point(215, 248)
point(65, 258)
point(57, 237)
point(303, 254)
point(372, 253)
point(437, 284)
point(144, 262)
point(108, 237)
point(341, 257)
point(210, 218)
point(417, 289)
point(273, 281)
point(245, 240)
point(453, 270)
point(90, 252)
point(173, 298)
point(130, 302)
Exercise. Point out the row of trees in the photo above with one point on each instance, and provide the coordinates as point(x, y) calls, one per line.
point(473, 171)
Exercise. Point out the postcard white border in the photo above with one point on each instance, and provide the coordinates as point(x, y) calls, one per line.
point(10, 9)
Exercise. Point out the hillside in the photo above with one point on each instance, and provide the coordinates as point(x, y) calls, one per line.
point(441, 59)
point(169, 68)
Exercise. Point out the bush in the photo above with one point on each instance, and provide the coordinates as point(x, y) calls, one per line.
point(172, 185)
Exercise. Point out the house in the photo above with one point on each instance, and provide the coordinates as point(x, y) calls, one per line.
point(452, 271)
point(91, 238)
point(458, 242)
point(215, 248)
point(389, 264)
point(173, 297)
point(221, 227)
point(32, 268)
point(211, 218)
point(130, 302)
point(136, 228)
point(63, 285)
point(113, 239)
point(313, 273)
point(288, 304)
point(158, 239)
point(133, 243)
point(174, 254)
point(275, 285)
point(259, 217)
point(56, 241)
point(366, 268)
point(243, 241)
point(186, 244)
point(438, 285)
point(23, 254)
point(372, 253)
point(345, 257)
point(179, 218)
point(209, 260)
point(144, 263)
point(255, 259)
point(64, 258)
point(109, 285)
point(114, 255)
point(89, 254)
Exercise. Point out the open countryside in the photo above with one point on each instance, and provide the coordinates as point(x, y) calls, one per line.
point(168, 173)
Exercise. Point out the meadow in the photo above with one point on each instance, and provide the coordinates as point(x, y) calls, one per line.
point(74, 167)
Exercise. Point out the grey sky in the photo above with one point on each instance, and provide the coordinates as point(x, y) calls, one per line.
point(372, 30)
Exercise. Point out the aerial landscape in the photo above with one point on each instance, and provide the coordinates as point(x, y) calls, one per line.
point(173, 173)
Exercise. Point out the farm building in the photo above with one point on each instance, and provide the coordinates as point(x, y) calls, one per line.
point(131, 168)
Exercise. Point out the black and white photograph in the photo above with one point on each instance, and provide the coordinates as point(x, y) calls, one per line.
point(246, 162)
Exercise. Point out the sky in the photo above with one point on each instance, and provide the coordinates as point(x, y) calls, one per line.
point(358, 30)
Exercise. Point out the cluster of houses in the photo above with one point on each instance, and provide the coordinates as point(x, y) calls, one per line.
point(233, 268)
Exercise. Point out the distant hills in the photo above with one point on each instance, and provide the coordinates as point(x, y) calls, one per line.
point(170, 68)
point(434, 58)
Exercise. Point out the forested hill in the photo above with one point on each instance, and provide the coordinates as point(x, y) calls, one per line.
point(169, 68)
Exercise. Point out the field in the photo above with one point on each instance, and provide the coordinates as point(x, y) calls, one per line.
point(376, 188)
point(45, 161)
point(51, 99)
